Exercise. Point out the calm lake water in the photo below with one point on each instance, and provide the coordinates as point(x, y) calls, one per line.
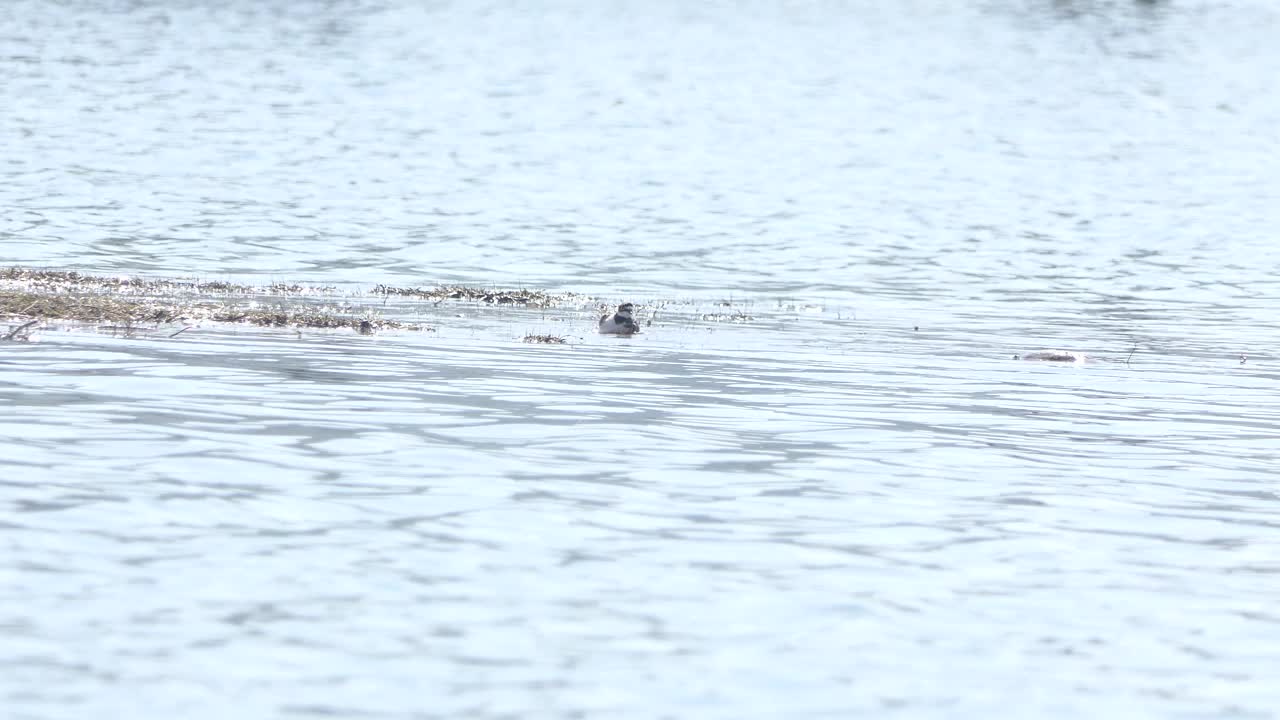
point(817, 485)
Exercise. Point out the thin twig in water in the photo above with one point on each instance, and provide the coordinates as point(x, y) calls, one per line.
point(1135, 347)
point(182, 331)
point(20, 329)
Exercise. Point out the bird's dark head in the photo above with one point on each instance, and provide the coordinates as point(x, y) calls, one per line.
point(626, 308)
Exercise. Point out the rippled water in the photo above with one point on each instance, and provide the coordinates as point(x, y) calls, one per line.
point(817, 485)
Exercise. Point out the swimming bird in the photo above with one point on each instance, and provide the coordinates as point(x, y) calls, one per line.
point(620, 323)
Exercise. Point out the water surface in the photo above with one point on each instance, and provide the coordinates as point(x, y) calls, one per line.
point(817, 485)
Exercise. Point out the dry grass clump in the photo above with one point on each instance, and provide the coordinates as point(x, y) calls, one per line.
point(545, 339)
point(528, 298)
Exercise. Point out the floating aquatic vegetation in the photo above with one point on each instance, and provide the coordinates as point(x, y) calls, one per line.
point(127, 311)
point(527, 298)
point(1053, 356)
point(545, 339)
point(36, 294)
point(736, 316)
point(66, 280)
point(305, 317)
point(90, 308)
